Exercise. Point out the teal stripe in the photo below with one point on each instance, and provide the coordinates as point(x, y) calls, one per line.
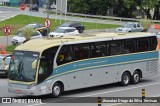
point(78, 65)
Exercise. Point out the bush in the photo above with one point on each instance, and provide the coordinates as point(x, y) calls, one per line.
point(10, 48)
point(28, 32)
point(145, 24)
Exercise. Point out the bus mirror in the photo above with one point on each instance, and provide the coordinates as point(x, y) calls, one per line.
point(34, 64)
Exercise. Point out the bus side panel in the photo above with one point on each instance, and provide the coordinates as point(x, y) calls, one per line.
point(90, 77)
point(152, 68)
point(74, 80)
point(108, 75)
point(131, 68)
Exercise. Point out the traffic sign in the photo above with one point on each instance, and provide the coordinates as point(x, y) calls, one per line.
point(47, 23)
point(7, 30)
point(23, 6)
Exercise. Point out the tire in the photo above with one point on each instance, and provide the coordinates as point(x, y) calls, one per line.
point(45, 33)
point(80, 30)
point(125, 79)
point(135, 77)
point(56, 90)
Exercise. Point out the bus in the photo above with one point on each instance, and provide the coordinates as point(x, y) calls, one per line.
point(54, 65)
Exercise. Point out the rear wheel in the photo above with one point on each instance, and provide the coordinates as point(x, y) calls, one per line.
point(135, 77)
point(80, 30)
point(125, 80)
point(56, 90)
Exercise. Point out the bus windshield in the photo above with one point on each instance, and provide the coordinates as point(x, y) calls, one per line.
point(20, 68)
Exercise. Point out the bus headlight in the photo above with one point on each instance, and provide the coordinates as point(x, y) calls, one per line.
point(31, 85)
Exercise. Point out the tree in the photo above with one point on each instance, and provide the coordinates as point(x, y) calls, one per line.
point(147, 5)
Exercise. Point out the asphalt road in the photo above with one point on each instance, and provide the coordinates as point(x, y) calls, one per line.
point(151, 86)
point(42, 14)
point(7, 12)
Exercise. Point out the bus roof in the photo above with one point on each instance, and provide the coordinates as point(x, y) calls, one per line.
point(39, 45)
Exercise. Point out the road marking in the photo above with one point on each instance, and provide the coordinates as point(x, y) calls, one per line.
point(114, 104)
point(37, 104)
point(101, 93)
point(119, 90)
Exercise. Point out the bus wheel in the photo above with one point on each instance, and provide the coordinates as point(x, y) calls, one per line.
point(56, 90)
point(125, 79)
point(135, 77)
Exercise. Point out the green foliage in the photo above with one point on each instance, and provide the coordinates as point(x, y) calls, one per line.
point(145, 23)
point(122, 8)
point(10, 48)
point(28, 32)
point(20, 21)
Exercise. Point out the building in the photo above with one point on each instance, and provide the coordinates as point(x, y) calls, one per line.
point(4, 1)
point(14, 2)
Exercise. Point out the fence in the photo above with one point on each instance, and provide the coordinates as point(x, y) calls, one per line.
point(108, 17)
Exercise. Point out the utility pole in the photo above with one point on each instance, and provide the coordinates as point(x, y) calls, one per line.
point(65, 10)
point(47, 8)
point(61, 13)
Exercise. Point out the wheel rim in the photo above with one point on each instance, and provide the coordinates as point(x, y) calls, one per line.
point(56, 90)
point(136, 77)
point(126, 79)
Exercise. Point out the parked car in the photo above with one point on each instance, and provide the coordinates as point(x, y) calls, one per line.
point(4, 67)
point(76, 25)
point(37, 27)
point(19, 39)
point(63, 31)
point(33, 7)
point(130, 27)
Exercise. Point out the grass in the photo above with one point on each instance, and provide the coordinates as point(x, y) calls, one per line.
point(10, 48)
point(20, 21)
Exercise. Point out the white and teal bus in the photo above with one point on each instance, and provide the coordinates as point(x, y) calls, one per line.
point(51, 66)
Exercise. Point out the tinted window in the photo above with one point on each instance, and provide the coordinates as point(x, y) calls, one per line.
point(81, 51)
point(60, 30)
point(128, 46)
point(143, 45)
point(114, 47)
point(65, 55)
point(98, 49)
point(153, 43)
point(70, 30)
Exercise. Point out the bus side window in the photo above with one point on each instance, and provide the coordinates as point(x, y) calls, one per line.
point(65, 55)
point(81, 51)
point(98, 49)
point(153, 43)
point(128, 46)
point(143, 45)
point(114, 48)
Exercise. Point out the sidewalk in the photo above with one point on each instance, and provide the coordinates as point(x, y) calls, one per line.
point(3, 40)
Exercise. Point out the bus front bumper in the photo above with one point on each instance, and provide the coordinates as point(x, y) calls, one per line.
point(23, 91)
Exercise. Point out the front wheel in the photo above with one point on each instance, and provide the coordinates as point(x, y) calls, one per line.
point(125, 80)
point(56, 90)
point(45, 33)
point(135, 77)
